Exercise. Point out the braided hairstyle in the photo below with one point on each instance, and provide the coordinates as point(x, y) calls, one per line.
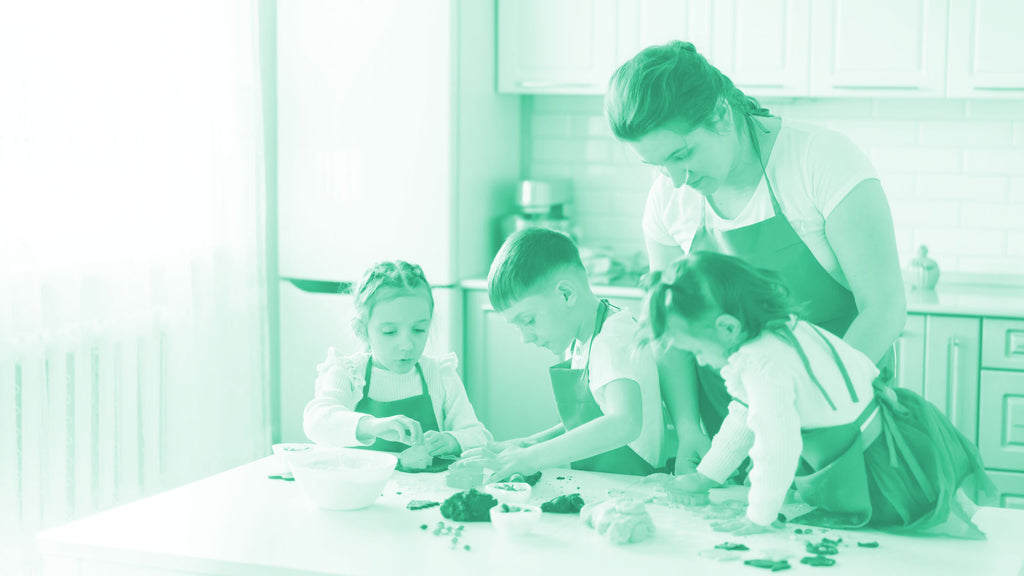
point(670, 83)
point(704, 283)
point(386, 281)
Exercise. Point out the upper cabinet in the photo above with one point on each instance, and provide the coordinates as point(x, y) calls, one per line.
point(878, 48)
point(555, 46)
point(780, 48)
point(574, 46)
point(986, 49)
point(761, 45)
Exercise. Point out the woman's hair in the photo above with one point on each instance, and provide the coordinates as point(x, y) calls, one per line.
point(669, 83)
point(703, 283)
point(386, 281)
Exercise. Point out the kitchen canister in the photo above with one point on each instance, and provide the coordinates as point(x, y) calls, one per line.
point(922, 272)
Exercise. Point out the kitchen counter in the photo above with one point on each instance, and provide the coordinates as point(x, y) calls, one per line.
point(239, 522)
point(960, 299)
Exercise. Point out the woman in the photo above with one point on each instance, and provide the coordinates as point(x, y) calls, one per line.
point(797, 199)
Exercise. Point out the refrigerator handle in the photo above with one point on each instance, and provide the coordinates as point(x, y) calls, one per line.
point(320, 286)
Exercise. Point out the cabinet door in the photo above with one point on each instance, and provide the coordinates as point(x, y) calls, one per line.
point(910, 355)
point(951, 371)
point(506, 380)
point(762, 45)
point(1001, 429)
point(1009, 489)
point(555, 46)
point(986, 49)
point(879, 48)
point(643, 23)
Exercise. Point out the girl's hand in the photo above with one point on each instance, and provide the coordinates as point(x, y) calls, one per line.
point(743, 526)
point(690, 489)
point(440, 443)
point(396, 429)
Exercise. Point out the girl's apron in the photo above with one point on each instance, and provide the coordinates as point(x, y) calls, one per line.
point(419, 408)
point(773, 245)
point(897, 466)
point(576, 407)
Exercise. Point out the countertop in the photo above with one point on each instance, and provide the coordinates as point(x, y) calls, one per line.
point(239, 522)
point(956, 299)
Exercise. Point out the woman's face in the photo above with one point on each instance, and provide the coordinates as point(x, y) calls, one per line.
point(701, 158)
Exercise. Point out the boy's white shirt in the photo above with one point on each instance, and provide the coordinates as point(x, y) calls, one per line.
point(329, 418)
point(768, 376)
point(614, 356)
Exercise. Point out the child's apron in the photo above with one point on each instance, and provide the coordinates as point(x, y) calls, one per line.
point(419, 408)
point(832, 475)
point(576, 407)
point(774, 245)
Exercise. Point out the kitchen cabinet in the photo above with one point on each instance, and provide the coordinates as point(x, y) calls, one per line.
point(878, 48)
point(985, 48)
point(951, 370)
point(1009, 489)
point(761, 45)
point(1001, 438)
point(574, 46)
point(910, 355)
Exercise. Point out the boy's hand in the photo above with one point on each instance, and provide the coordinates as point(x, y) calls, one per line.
point(511, 460)
point(396, 429)
point(491, 449)
point(440, 443)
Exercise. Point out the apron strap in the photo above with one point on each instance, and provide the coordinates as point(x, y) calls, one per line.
point(839, 363)
point(602, 314)
point(786, 334)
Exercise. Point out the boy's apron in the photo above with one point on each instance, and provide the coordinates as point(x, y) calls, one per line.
point(773, 245)
point(419, 408)
point(576, 407)
point(832, 476)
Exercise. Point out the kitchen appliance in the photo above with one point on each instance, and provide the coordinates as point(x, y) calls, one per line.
point(381, 122)
point(542, 203)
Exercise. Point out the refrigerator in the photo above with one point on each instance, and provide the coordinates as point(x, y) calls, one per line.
point(386, 150)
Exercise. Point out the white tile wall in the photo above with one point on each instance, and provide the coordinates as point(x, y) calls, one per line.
point(953, 171)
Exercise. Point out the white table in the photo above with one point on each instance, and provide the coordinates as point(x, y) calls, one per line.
point(240, 522)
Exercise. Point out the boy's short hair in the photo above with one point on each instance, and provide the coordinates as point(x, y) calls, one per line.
point(526, 258)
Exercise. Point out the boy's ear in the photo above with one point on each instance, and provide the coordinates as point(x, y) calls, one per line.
point(566, 290)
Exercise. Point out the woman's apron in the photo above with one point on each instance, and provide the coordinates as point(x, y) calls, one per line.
point(773, 245)
point(832, 475)
point(419, 408)
point(576, 407)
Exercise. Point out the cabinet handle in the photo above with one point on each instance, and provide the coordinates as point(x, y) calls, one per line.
point(542, 84)
point(952, 376)
point(999, 88)
point(867, 87)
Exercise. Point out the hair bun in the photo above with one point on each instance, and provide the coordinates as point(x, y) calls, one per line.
point(684, 46)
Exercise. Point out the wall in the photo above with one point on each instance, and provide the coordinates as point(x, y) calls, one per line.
point(953, 171)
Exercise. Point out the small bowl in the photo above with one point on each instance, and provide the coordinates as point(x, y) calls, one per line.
point(342, 478)
point(510, 492)
point(517, 521)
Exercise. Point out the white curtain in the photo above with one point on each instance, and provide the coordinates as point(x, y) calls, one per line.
point(132, 285)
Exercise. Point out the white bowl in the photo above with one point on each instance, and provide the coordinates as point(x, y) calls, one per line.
point(284, 451)
point(516, 522)
point(342, 478)
point(510, 492)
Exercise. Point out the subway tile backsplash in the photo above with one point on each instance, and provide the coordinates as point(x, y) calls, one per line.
point(953, 171)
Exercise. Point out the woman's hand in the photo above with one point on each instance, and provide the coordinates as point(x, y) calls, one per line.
point(396, 429)
point(440, 443)
point(690, 489)
point(742, 526)
point(692, 449)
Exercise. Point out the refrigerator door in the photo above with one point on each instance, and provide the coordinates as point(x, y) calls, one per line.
point(365, 136)
point(314, 317)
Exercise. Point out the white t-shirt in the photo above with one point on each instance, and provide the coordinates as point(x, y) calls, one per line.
point(768, 376)
point(614, 356)
point(811, 170)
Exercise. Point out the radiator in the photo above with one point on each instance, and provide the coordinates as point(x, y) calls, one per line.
point(82, 427)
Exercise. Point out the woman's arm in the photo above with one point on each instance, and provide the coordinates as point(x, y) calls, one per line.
point(860, 231)
point(677, 375)
point(661, 255)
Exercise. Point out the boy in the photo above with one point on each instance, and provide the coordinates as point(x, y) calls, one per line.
point(607, 390)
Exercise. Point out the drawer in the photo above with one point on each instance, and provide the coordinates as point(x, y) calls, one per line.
point(1002, 344)
point(1001, 418)
point(1010, 489)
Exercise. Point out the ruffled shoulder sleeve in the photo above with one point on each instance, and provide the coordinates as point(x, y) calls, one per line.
point(339, 371)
